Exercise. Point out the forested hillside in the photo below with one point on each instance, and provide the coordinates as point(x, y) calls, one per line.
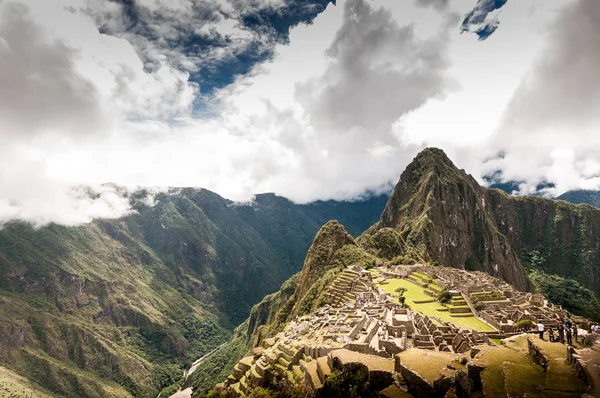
point(121, 307)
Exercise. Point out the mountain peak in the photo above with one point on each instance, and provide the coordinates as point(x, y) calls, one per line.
point(444, 216)
point(432, 153)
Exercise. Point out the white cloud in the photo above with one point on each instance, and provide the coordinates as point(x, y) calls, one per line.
point(341, 109)
point(553, 118)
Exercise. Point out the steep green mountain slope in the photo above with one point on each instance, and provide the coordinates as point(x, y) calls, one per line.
point(332, 250)
point(553, 236)
point(120, 307)
point(581, 196)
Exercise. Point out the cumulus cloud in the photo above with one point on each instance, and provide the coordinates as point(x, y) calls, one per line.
point(378, 71)
point(40, 90)
point(65, 86)
point(550, 128)
point(339, 132)
point(331, 136)
point(214, 40)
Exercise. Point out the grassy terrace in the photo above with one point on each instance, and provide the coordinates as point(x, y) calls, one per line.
point(417, 293)
point(509, 370)
point(429, 363)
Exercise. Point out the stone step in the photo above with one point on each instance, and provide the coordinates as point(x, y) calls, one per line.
point(255, 376)
point(311, 371)
point(298, 375)
point(284, 362)
point(323, 369)
point(237, 371)
point(346, 278)
point(231, 380)
point(244, 385)
point(245, 363)
point(260, 368)
point(349, 296)
point(237, 390)
point(286, 350)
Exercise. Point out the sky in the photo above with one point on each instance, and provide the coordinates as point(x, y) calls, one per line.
point(309, 99)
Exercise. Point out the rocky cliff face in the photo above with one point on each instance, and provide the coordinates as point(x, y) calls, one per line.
point(552, 236)
point(445, 216)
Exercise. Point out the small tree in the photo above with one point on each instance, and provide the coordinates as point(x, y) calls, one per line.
point(401, 290)
point(402, 299)
point(524, 324)
point(444, 296)
point(478, 306)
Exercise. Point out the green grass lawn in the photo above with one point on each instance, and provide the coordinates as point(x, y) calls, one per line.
point(413, 293)
point(417, 293)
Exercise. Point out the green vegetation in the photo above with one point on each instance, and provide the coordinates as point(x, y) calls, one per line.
point(352, 382)
point(14, 386)
point(429, 363)
point(136, 300)
point(412, 293)
point(384, 243)
point(525, 324)
point(444, 296)
point(566, 292)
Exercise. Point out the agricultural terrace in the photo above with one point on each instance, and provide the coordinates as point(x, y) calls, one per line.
point(415, 293)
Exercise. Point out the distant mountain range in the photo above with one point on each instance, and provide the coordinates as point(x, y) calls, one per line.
point(589, 197)
point(577, 196)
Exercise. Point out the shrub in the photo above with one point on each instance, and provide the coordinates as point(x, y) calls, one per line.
point(478, 306)
point(444, 296)
point(525, 324)
point(402, 299)
point(591, 339)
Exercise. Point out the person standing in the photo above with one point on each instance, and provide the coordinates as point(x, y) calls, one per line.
point(540, 328)
point(569, 333)
point(550, 334)
point(569, 322)
point(561, 333)
point(575, 332)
